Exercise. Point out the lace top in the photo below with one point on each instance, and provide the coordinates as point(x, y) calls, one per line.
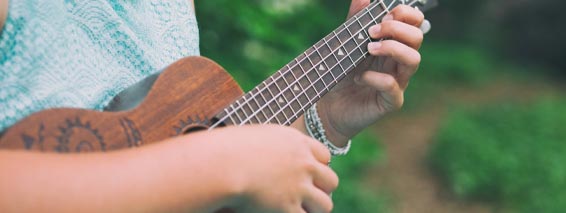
point(81, 53)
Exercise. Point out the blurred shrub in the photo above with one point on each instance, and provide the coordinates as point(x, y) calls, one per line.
point(449, 65)
point(533, 31)
point(528, 32)
point(455, 64)
point(513, 155)
point(351, 195)
point(253, 39)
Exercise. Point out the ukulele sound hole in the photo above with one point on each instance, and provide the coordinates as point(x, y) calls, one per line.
point(193, 128)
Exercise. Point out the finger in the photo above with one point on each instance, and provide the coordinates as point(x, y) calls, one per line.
point(399, 31)
point(408, 58)
point(325, 178)
point(317, 201)
point(407, 14)
point(319, 150)
point(356, 6)
point(387, 85)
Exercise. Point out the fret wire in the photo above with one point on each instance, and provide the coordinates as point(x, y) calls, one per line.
point(259, 105)
point(364, 54)
point(238, 116)
point(253, 118)
point(325, 57)
point(248, 117)
point(371, 15)
point(280, 93)
point(305, 75)
point(254, 111)
point(326, 65)
point(314, 69)
point(301, 89)
point(232, 119)
point(281, 97)
point(334, 55)
point(292, 111)
point(296, 82)
point(383, 6)
point(342, 44)
point(291, 71)
point(288, 86)
point(269, 106)
point(263, 97)
point(290, 90)
point(298, 85)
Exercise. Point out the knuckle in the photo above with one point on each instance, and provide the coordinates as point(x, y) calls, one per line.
point(389, 83)
point(388, 26)
point(387, 45)
point(310, 166)
point(402, 10)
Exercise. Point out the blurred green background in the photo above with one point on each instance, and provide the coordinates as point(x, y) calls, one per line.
point(484, 124)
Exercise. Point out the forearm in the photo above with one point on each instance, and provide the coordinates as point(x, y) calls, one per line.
point(149, 179)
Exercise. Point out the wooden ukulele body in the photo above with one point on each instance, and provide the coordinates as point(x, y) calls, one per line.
point(186, 96)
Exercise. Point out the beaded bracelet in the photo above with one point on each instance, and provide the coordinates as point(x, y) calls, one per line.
point(316, 130)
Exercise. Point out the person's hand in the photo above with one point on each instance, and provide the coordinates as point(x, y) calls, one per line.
point(378, 83)
point(275, 169)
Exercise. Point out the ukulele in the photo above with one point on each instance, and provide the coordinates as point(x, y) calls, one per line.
point(196, 94)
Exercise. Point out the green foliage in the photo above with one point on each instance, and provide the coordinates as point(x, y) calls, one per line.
point(509, 154)
point(351, 195)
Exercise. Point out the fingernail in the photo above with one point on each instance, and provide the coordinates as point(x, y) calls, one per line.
point(374, 46)
point(375, 29)
point(387, 17)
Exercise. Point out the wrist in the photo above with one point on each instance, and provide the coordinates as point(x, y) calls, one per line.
point(337, 137)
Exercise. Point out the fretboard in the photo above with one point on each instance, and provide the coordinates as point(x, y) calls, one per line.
point(286, 95)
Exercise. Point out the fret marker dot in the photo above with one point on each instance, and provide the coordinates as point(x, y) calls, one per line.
point(321, 68)
point(340, 52)
point(360, 36)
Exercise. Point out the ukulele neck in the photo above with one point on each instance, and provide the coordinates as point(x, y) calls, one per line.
point(285, 96)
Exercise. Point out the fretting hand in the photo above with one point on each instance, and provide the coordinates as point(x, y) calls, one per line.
point(378, 83)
